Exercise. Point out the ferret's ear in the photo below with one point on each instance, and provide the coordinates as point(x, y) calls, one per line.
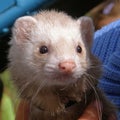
point(22, 28)
point(86, 28)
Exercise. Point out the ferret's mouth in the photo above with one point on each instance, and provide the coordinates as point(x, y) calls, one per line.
point(59, 78)
point(64, 78)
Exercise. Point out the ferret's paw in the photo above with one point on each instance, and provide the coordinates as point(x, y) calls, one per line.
point(57, 109)
point(61, 108)
point(76, 97)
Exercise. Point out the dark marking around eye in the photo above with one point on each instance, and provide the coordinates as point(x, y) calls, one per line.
point(43, 49)
point(79, 49)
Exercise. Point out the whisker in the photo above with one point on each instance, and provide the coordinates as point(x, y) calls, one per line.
point(85, 98)
point(96, 95)
point(25, 86)
point(95, 66)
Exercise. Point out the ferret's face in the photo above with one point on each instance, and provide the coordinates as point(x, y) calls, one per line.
point(54, 54)
point(59, 56)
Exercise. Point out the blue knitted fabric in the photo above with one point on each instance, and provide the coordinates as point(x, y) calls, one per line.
point(106, 46)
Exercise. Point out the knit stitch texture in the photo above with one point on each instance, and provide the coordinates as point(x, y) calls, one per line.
point(106, 46)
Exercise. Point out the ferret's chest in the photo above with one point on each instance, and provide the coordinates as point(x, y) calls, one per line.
point(73, 101)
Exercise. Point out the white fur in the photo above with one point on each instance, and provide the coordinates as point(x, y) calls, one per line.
point(62, 40)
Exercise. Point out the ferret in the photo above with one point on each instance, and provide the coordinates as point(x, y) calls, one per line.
point(53, 68)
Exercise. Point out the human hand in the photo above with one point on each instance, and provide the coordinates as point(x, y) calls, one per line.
point(90, 113)
point(22, 111)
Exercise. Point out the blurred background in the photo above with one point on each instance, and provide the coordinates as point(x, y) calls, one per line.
point(102, 12)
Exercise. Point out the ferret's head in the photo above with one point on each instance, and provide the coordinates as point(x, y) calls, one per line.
point(51, 48)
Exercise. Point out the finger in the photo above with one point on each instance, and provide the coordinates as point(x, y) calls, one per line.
point(23, 111)
point(90, 112)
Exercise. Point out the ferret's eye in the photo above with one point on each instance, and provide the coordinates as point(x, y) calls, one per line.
point(43, 49)
point(79, 49)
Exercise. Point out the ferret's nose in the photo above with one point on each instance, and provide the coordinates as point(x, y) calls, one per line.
point(67, 66)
